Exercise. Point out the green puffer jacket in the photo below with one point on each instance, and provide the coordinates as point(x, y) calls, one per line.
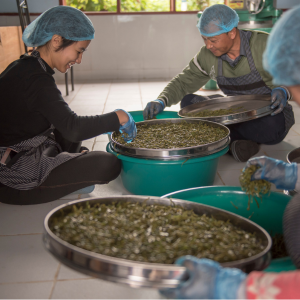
point(204, 66)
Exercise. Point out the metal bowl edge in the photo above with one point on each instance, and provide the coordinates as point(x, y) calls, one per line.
point(138, 274)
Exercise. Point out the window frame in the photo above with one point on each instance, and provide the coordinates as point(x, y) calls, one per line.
point(172, 11)
point(119, 12)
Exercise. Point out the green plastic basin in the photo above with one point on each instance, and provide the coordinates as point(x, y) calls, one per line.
point(269, 215)
point(157, 178)
point(138, 115)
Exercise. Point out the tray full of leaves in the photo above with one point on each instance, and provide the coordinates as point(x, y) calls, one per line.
point(170, 135)
point(116, 237)
point(153, 233)
point(215, 113)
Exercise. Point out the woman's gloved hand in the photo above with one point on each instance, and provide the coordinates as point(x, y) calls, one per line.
point(128, 130)
point(283, 175)
point(279, 99)
point(153, 108)
point(207, 280)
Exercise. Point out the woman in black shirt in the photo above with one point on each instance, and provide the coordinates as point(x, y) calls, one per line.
point(41, 158)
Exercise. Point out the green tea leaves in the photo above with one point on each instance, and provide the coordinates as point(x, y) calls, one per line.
point(153, 233)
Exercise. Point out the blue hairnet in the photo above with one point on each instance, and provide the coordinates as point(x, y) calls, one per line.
point(282, 54)
point(66, 21)
point(217, 19)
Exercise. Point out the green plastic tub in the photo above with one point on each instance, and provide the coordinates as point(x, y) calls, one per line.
point(138, 115)
point(157, 177)
point(269, 215)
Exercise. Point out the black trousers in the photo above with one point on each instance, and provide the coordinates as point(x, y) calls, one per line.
point(266, 130)
point(95, 167)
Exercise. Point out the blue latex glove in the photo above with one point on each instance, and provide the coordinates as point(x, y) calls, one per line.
point(153, 108)
point(207, 280)
point(283, 175)
point(129, 128)
point(279, 99)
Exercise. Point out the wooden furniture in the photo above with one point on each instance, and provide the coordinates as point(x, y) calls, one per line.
point(11, 45)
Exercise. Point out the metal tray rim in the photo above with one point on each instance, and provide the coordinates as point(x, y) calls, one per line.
point(142, 265)
point(122, 149)
point(174, 157)
point(235, 117)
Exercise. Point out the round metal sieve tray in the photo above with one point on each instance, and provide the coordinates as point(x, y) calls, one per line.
point(138, 274)
point(176, 153)
point(293, 156)
point(254, 107)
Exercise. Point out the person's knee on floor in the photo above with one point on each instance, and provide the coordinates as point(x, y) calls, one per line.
point(193, 98)
point(186, 100)
point(111, 166)
point(242, 150)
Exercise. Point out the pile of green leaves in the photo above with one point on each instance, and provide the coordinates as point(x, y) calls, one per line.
point(173, 135)
point(214, 113)
point(253, 188)
point(152, 233)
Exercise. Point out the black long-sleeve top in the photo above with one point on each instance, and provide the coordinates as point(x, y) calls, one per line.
point(30, 102)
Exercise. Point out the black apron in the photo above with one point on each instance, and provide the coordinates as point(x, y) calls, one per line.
point(249, 84)
point(34, 158)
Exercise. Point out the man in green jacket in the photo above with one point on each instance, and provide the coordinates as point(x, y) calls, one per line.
point(233, 58)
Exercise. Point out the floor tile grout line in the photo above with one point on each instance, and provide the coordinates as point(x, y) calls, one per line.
point(20, 234)
point(72, 279)
point(45, 281)
point(94, 143)
point(231, 169)
point(107, 97)
point(295, 131)
point(221, 178)
point(75, 94)
point(140, 94)
point(266, 153)
point(54, 281)
point(25, 282)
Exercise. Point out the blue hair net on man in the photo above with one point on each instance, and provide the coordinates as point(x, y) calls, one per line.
point(282, 54)
point(66, 21)
point(217, 19)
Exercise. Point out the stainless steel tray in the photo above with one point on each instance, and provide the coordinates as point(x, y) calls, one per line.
point(137, 274)
point(254, 107)
point(177, 153)
point(293, 156)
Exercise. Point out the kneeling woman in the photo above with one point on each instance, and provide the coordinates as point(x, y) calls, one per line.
point(40, 136)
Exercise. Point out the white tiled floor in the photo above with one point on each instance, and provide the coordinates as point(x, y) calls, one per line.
point(27, 270)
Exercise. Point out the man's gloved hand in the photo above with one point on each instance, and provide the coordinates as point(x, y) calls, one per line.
point(283, 175)
point(279, 99)
point(128, 130)
point(153, 108)
point(207, 280)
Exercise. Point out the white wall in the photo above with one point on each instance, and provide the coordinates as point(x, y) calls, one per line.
point(137, 47)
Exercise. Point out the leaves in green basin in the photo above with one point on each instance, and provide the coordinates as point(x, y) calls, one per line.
point(253, 187)
point(153, 118)
point(214, 113)
point(173, 135)
point(153, 233)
